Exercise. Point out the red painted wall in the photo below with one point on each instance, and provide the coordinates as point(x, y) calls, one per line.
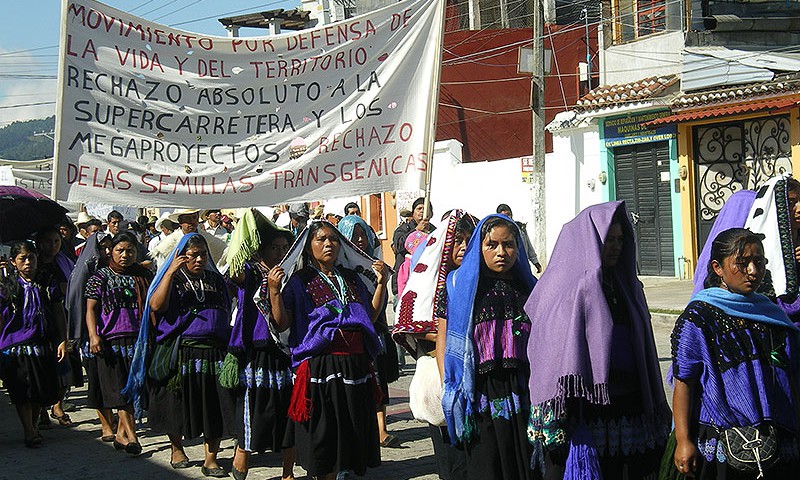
point(485, 104)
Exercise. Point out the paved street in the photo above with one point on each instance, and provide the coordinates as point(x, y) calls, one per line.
point(78, 453)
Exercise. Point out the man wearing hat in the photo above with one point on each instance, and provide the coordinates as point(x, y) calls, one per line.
point(298, 213)
point(164, 226)
point(188, 221)
point(212, 223)
point(87, 225)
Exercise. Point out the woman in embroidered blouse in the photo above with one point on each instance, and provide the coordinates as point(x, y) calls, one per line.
point(31, 321)
point(263, 369)
point(191, 305)
point(486, 401)
point(331, 311)
point(56, 267)
point(596, 386)
point(114, 303)
point(735, 364)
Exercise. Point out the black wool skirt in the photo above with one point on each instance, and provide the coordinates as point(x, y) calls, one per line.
point(113, 365)
point(342, 433)
point(94, 397)
point(193, 404)
point(29, 374)
point(500, 449)
point(386, 367)
point(262, 400)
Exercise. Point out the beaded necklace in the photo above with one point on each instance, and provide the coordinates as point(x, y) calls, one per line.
point(199, 295)
point(340, 292)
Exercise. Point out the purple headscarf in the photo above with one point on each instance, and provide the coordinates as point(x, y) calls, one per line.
point(732, 215)
point(571, 325)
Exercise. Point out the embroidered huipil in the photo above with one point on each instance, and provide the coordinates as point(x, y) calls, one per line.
point(119, 307)
point(250, 328)
point(743, 367)
point(198, 309)
point(318, 314)
point(501, 325)
point(19, 325)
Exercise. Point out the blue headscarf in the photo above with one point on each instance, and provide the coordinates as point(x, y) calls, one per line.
point(459, 355)
point(348, 224)
point(138, 371)
point(753, 306)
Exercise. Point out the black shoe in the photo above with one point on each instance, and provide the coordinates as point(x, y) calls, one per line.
point(237, 474)
point(118, 446)
point(133, 448)
point(180, 464)
point(217, 472)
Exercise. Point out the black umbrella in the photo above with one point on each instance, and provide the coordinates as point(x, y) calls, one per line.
point(23, 212)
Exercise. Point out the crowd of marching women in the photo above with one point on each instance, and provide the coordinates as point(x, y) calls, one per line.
point(278, 337)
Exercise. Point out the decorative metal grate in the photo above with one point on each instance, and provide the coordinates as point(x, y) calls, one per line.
point(733, 156)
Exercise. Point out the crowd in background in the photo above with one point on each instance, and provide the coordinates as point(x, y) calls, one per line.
point(273, 330)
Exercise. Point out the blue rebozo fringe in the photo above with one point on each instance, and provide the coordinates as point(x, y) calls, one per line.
point(583, 462)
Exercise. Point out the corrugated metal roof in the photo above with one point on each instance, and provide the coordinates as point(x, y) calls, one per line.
point(708, 67)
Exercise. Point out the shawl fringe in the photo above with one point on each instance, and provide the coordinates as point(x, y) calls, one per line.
point(574, 386)
point(229, 373)
point(583, 462)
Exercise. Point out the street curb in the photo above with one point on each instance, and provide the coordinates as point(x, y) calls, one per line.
point(664, 319)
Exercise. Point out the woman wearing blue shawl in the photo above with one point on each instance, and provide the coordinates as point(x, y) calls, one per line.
point(734, 363)
point(485, 398)
point(355, 229)
point(190, 305)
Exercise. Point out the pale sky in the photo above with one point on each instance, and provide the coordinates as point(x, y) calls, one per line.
point(29, 36)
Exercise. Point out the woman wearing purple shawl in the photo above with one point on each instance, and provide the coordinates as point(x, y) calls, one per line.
point(263, 374)
point(735, 364)
point(598, 405)
point(31, 322)
point(330, 312)
point(191, 306)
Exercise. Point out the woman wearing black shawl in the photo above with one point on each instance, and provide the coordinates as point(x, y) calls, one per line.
point(93, 256)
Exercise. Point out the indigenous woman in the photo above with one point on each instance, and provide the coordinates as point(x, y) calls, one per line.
point(94, 256)
point(423, 311)
point(355, 229)
point(55, 267)
point(486, 371)
point(192, 311)
point(330, 311)
point(263, 370)
point(114, 304)
point(735, 363)
point(596, 392)
point(31, 321)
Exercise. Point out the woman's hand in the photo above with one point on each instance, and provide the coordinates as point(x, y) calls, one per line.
point(381, 272)
point(177, 262)
point(275, 279)
point(686, 458)
point(94, 344)
point(61, 351)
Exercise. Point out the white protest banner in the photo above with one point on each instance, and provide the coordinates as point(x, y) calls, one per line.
point(34, 175)
point(153, 116)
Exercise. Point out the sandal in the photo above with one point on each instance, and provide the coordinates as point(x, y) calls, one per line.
point(63, 420)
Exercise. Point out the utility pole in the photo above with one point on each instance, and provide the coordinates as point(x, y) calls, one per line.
point(537, 105)
point(585, 14)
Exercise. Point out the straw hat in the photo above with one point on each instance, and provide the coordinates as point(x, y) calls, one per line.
point(173, 217)
point(83, 218)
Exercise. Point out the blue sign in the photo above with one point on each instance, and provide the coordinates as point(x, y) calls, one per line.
point(631, 129)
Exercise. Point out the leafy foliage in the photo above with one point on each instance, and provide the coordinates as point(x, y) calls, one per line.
point(18, 142)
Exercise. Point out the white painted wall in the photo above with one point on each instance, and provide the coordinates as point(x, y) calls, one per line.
point(650, 56)
point(572, 177)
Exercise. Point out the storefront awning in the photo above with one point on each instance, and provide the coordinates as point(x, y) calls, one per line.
point(726, 110)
